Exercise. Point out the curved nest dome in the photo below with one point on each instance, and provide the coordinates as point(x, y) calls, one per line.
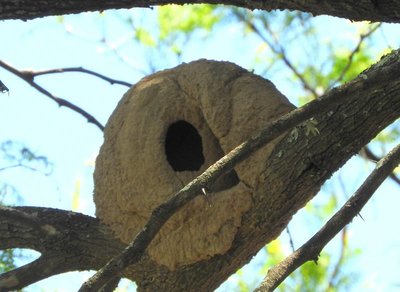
point(168, 129)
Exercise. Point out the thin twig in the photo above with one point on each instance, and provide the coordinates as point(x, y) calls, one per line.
point(367, 153)
point(20, 165)
point(76, 69)
point(353, 53)
point(60, 101)
point(343, 244)
point(3, 87)
point(17, 166)
point(290, 238)
point(312, 248)
point(336, 269)
point(278, 50)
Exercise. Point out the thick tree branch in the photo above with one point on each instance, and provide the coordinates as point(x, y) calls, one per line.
point(68, 241)
point(26, 219)
point(373, 10)
point(311, 249)
point(29, 78)
point(33, 272)
point(160, 215)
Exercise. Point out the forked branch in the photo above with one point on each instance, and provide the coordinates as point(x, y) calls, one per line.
point(311, 249)
point(79, 70)
point(29, 76)
point(67, 241)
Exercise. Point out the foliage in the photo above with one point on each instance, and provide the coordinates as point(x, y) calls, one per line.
point(7, 260)
point(174, 20)
point(16, 155)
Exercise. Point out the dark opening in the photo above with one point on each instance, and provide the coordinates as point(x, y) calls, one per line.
point(183, 147)
point(225, 181)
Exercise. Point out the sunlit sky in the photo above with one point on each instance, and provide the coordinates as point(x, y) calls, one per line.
point(72, 144)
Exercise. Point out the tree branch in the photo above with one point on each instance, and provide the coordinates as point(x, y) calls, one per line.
point(3, 87)
point(27, 219)
point(19, 165)
point(27, 77)
point(68, 241)
point(277, 49)
point(311, 249)
point(367, 153)
point(353, 53)
point(76, 69)
point(33, 272)
point(338, 265)
point(373, 10)
point(161, 214)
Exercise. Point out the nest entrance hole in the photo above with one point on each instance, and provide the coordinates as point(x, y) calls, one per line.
point(184, 151)
point(183, 147)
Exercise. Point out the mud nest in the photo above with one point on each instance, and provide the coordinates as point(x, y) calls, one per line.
point(168, 129)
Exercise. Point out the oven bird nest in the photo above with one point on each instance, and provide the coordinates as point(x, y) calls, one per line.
point(168, 129)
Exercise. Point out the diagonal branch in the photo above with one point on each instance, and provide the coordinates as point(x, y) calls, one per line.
point(33, 272)
point(40, 269)
point(353, 53)
point(60, 101)
point(277, 49)
point(340, 260)
point(161, 214)
point(112, 81)
point(312, 248)
point(367, 153)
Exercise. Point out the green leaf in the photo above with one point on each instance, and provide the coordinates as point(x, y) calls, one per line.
point(7, 260)
point(174, 19)
point(361, 61)
point(144, 37)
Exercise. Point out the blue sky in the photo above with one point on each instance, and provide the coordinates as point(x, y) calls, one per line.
point(72, 144)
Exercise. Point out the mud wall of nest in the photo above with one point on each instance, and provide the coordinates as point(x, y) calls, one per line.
point(168, 129)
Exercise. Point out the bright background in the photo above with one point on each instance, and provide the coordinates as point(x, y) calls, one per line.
point(102, 42)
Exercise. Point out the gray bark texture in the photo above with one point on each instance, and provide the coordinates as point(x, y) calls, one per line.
point(373, 10)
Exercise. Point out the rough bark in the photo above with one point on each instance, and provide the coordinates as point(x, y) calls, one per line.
point(301, 163)
point(70, 242)
point(373, 10)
